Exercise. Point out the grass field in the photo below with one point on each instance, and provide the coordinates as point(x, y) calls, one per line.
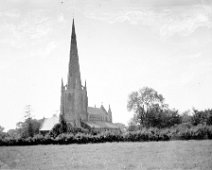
point(172, 155)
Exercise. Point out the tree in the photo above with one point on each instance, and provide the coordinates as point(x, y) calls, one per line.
point(29, 127)
point(14, 133)
point(28, 121)
point(144, 102)
point(186, 117)
point(202, 117)
point(133, 124)
point(1, 129)
point(209, 120)
point(2, 133)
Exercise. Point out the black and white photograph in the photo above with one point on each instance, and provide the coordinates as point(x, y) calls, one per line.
point(106, 84)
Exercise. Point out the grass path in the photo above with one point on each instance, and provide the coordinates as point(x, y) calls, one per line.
point(172, 155)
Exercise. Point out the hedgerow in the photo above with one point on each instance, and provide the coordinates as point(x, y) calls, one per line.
point(182, 132)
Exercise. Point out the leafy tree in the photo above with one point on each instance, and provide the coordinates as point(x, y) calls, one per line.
point(202, 117)
point(59, 128)
point(1, 129)
point(133, 124)
point(170, 118)
point(28, 121)
point(162, 118)
point(150, 110)
point(144, 102)
point(29, 127)
point(2, 133)
point(14, 133)
point(209, 120)
point(186, 117)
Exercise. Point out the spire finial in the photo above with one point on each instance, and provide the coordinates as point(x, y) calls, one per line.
point(73, 35)
point(74, 78)
point(73, 26)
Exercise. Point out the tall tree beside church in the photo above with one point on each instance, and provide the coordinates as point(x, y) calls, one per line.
point(29, 127)
point(144, 101)
point(28, 121)
point(1, 128)
point(2, 133)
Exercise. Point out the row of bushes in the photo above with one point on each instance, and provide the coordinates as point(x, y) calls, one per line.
point(152, 134)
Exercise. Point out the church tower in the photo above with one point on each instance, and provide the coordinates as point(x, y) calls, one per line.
point(74, 100)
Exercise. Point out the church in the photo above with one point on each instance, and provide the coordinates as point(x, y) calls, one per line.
point(74, 100)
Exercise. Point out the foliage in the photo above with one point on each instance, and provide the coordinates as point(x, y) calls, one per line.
point(150, 110)
point(202, 117)
point(209, 132)
point(186, 117)
point(56, 130)
point(194, 132)
point(28, 128)
point(1, 129)
point(180, 132)
point(14, 133)
point(64, 127)
point(2, 133)
point(162, 118)
point(142, 101)
point(133, 124)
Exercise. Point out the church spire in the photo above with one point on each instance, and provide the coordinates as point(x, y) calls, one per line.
point(74, 78)
point(61, 98)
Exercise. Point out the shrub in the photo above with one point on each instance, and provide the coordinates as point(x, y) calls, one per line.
point(195, 132)
point(209, 132)
point(183, 132)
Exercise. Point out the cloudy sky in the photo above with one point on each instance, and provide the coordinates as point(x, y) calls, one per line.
point(123, 45)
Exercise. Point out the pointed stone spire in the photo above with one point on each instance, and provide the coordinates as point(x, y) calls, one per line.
point(62, 98)
point(74, 78)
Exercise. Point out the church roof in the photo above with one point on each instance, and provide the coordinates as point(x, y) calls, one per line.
point(101, 125)
point(49, 123)
point(96, 111)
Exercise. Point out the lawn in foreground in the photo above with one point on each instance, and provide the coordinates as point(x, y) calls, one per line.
point(170, 155)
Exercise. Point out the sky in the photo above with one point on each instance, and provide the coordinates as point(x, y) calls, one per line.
point(123, 46)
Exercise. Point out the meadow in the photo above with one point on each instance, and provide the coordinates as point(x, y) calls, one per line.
point(170, 155)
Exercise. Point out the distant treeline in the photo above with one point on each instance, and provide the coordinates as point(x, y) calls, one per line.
point(170, 118)
point(150, 110)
